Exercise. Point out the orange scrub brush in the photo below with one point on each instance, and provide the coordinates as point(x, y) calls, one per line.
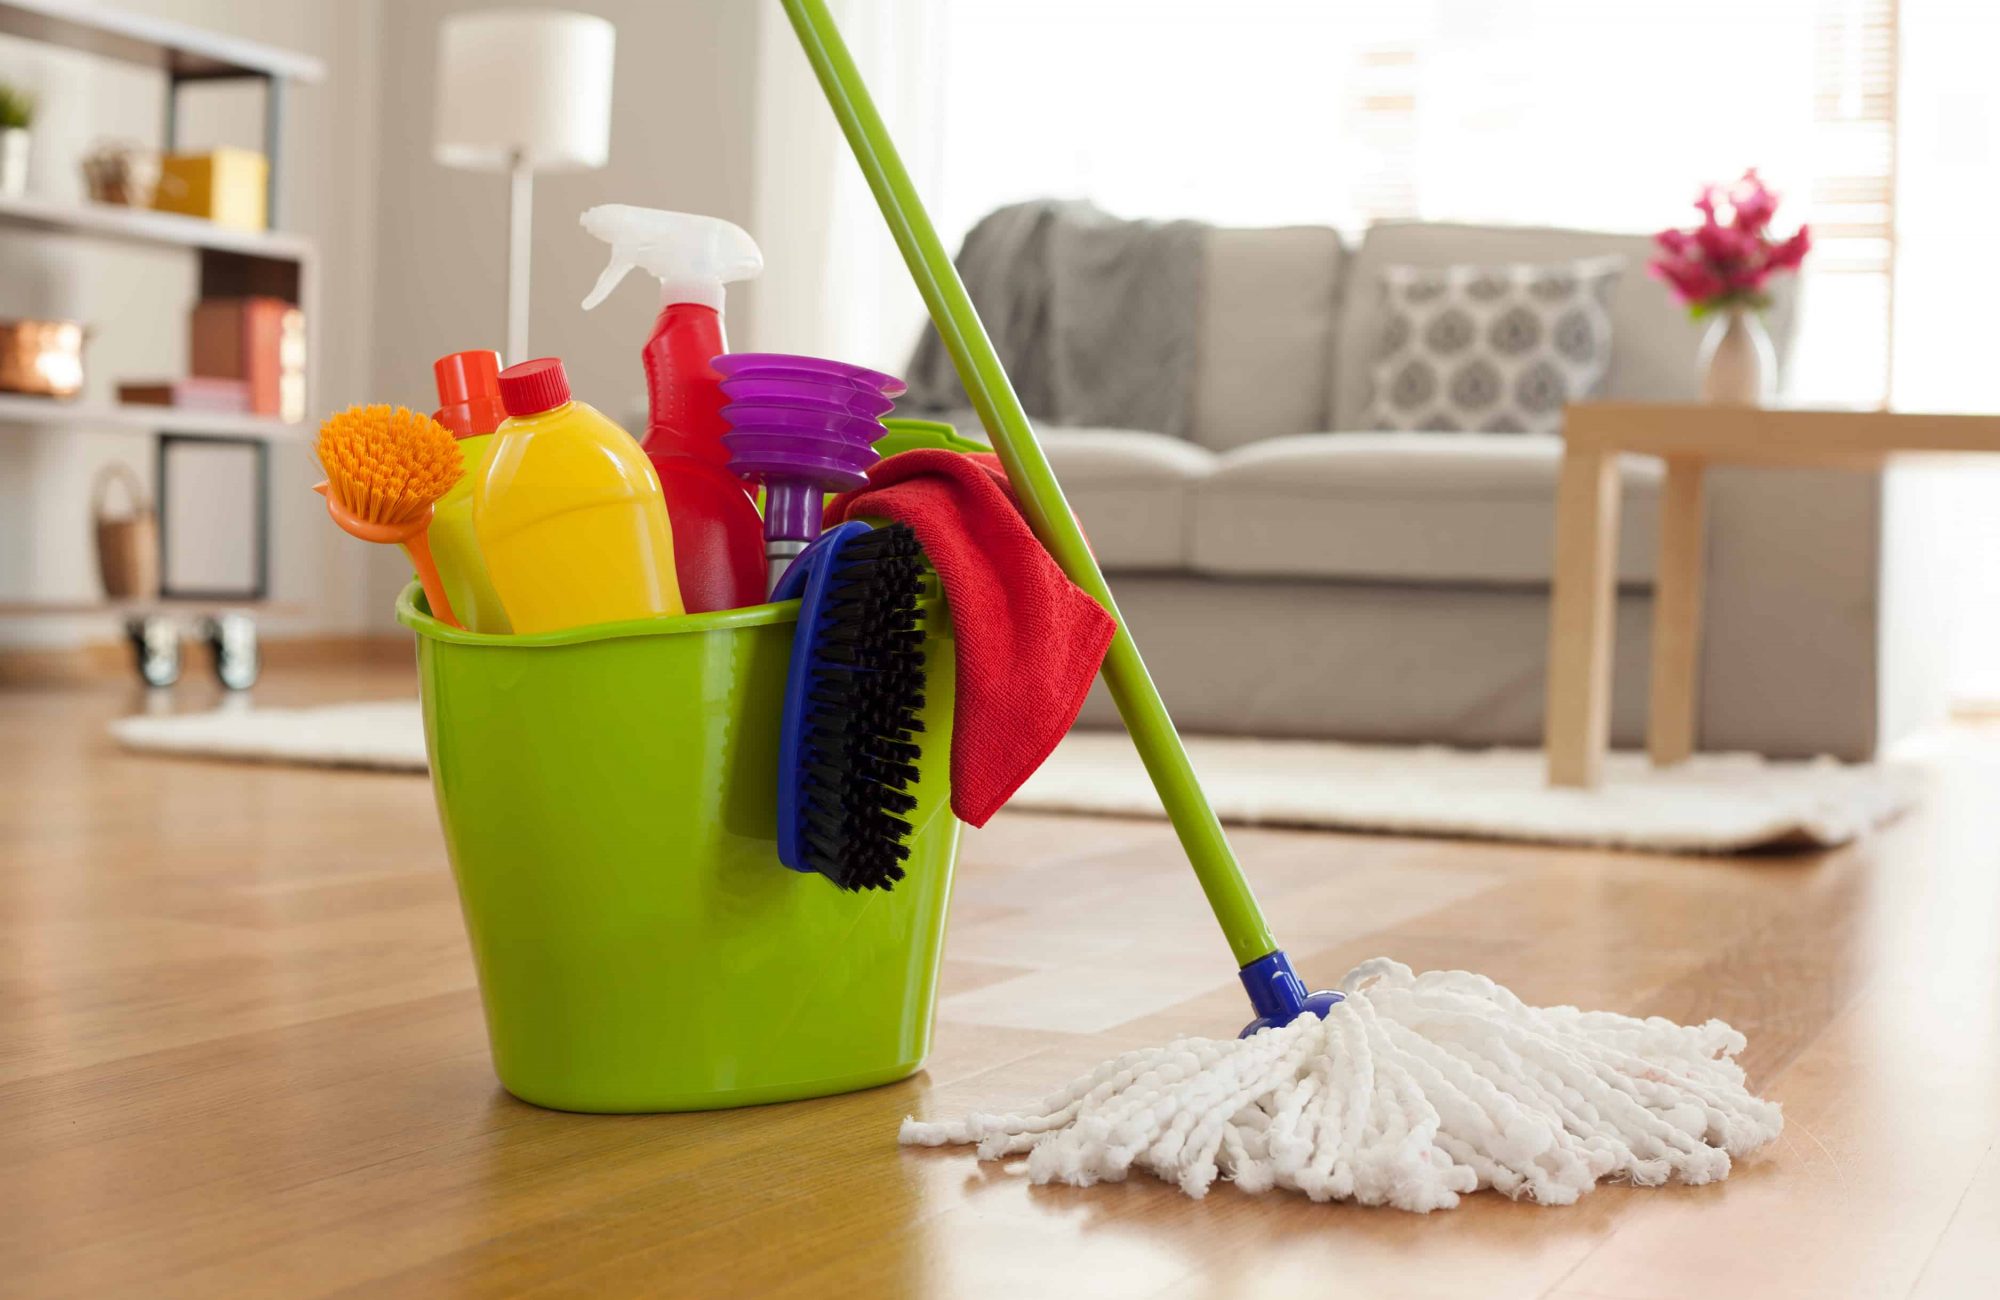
point(386, 467)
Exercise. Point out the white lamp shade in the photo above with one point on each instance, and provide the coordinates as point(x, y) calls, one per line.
point(532, 84)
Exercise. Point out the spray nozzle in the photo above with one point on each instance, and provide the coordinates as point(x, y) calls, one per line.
point(691, 256)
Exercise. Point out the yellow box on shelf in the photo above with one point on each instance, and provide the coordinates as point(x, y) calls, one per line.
point(227, 186)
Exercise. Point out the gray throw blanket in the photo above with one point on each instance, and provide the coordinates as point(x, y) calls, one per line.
point(1094, 317)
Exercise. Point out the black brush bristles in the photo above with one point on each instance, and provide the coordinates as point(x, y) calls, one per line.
point(859, 728)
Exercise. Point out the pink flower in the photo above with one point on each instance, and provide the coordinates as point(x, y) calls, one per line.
point(1752, 204)
point(1788, 255)
point(1728, 261)
point(1745, 279)
point(1724, 246)
point(1691, 281)
point(1675, 243)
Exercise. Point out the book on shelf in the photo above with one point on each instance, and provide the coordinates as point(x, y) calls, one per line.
point(261, 341)
point(192, 393)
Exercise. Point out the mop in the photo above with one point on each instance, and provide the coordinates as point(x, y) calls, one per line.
point(1394, 1089)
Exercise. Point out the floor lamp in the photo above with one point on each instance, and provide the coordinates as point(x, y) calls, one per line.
point(523, 91)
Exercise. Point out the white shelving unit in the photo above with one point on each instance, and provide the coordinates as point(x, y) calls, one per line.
point(177, 49)
point(144, 226)
point(16, 409)
point(232, 263)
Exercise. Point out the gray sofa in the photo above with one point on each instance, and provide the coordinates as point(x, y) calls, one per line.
point(1289, 573)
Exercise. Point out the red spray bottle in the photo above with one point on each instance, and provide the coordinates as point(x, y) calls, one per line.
point(718, 535)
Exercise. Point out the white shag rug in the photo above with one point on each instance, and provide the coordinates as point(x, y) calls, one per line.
point(385, 735)
point(1715, 803)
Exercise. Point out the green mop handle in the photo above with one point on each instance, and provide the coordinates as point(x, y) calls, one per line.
point(1138, 700)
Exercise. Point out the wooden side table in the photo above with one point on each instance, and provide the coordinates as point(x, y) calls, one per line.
point(1690, 438)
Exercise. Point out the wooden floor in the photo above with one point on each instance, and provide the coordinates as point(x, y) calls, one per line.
point(241, 1054)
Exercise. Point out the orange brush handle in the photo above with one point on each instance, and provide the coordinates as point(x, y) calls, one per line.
point(418, 548)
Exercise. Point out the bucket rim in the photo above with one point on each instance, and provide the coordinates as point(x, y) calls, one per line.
point(413, 613)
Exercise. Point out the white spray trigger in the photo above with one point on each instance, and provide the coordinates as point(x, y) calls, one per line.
point(607, 281)
point(691, 256)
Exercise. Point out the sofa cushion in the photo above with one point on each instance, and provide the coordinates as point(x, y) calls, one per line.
point(1428, 508)
point(1268, 299)
point(1131, 492)
point(1654, 345)
point(1496, 349)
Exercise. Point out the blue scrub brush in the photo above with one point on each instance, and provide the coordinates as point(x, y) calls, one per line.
point(847, 745)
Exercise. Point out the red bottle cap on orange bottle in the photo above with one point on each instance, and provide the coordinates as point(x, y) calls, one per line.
point(468, 385)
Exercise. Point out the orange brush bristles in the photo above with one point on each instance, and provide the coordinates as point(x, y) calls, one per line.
point(387, 464)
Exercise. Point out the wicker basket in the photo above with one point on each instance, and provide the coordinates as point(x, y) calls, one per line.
point(128, 545)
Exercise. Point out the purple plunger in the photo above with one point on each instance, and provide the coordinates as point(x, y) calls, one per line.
point(800, 450)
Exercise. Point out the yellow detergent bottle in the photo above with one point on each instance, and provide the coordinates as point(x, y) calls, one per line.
point(469, 405)
point(569, 512)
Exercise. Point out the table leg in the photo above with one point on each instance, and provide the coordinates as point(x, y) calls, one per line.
point(1577, 725)
point(1677, 598)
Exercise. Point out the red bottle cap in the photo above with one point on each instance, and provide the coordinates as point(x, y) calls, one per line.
point(534, 386)
point(468, 385)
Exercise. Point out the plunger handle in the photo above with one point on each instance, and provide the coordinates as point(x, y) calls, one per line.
point(979, 369)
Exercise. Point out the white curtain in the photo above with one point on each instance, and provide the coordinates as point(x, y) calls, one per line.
point(834, 284)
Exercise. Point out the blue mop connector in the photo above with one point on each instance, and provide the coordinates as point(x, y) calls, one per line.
point(1278, 995)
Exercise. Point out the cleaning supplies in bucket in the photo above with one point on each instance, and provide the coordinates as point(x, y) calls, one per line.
point(618, 927)
point(718, 538)
point(569, 513)
point(607, 802)
point(803, 427)
point(386, 467)
point(468, 385)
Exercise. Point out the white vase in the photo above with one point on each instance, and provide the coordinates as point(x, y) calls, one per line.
point(1739, 367)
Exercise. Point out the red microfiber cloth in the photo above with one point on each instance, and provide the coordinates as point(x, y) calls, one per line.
point(1029, 639)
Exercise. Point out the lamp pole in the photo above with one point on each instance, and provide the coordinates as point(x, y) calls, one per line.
point(520, 219)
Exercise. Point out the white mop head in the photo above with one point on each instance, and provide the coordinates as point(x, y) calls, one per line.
point(1414, 1090)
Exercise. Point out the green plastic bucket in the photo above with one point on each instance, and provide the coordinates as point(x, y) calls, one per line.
point(608, 796)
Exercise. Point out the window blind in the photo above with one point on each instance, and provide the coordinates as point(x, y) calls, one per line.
point(1853, 195)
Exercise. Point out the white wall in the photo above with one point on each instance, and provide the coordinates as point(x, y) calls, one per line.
point(136, 299)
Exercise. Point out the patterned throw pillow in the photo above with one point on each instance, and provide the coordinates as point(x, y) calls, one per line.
point(1491, 349)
